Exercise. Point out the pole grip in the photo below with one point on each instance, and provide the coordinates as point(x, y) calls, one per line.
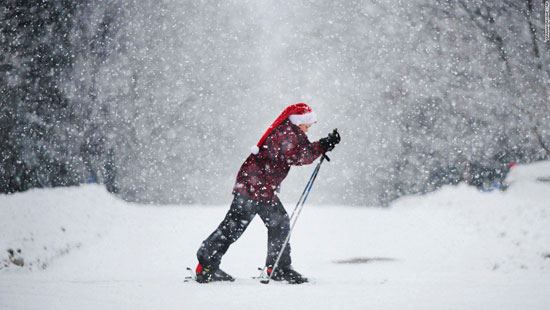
point(335, 130)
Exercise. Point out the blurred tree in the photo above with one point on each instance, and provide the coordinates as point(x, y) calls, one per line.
point(51, 132)
point(39, 145)
point(162, 99)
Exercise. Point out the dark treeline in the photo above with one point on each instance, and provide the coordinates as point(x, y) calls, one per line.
point(161, 100)
point(47, 138)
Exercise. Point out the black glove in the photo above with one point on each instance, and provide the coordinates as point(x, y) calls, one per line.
point(330, 142)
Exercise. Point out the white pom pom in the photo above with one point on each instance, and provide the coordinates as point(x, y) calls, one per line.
point(255, 150)
point(308, 118)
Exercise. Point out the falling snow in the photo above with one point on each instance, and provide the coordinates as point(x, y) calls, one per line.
point(161, 101)
point(170, 95)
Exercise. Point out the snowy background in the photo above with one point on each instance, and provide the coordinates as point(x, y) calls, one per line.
point(157, 103)
point(172, 94)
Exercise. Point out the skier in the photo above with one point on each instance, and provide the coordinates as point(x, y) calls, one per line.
point(284, 144)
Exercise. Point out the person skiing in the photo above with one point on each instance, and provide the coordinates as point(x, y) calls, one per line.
point(284, 144)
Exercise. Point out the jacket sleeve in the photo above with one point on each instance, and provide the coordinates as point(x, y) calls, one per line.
point(298, 151)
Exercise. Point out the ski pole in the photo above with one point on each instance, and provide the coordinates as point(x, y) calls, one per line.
point(297, 211)
point(307, 185)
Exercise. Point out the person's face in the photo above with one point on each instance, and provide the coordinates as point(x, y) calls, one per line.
point(304, 127)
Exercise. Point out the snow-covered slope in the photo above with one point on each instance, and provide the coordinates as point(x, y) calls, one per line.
point(456, 248)
point(42, 224)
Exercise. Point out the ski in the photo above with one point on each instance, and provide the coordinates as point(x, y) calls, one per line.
point(192, 276)
point(262, 277)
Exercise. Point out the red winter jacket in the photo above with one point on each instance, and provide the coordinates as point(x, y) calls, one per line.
point(261, 175)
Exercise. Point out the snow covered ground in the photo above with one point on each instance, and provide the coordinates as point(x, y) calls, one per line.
point(456, 248)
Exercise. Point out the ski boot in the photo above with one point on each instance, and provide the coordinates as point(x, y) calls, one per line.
point(205, 275)
point(287, 274)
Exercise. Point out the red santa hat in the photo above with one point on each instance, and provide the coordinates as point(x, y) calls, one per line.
point(299, 113)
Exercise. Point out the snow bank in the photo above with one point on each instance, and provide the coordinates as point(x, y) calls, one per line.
point(40, 225)
point(504, 231)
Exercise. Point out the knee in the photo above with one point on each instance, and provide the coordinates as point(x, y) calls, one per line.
point(285, 224)
point(281, 223)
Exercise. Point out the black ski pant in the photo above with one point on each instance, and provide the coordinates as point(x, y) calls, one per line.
point(240, 214)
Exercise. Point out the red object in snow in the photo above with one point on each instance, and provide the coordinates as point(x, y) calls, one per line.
point(298, 114)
